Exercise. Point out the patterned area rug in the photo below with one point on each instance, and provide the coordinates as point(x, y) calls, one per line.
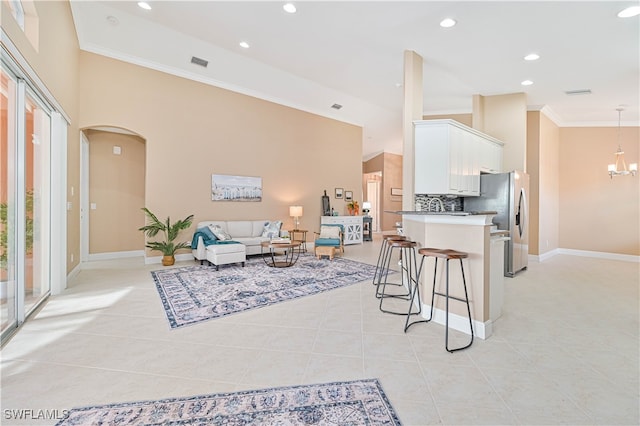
point(361, 402)
point(198, 293)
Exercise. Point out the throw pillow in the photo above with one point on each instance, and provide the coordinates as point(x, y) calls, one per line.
point(329, 232)
point(220, 233)
point(271, 229)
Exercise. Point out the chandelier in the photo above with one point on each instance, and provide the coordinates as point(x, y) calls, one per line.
point(614, 169)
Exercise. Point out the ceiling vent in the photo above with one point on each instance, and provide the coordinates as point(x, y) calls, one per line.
point(578, 92)
point(336, 106)
point(199, 61)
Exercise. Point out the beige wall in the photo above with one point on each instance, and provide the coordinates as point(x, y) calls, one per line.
point(391, 167)
point(549, 185)
point(598, 213)
point(116, 188)
point(504, 117)
point(193, 130)
point(56, 63)
point(465, 119)
point(543, 141)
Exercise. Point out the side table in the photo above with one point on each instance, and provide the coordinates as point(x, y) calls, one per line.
point(302, 240)
point(367, 231)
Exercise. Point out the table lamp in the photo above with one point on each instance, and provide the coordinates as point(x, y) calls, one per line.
point(296, 213)
point(366, 207)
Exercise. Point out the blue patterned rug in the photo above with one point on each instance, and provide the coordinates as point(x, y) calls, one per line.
point(361, 402)
point(197, 293)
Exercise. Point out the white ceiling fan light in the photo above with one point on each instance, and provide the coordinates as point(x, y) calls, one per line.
point(527, 83)
point(144, 5)
point(244, 45)
point(289, 8)
point(532, 57)
point(629, 12)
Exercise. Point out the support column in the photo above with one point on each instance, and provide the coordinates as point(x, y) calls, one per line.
point(412, 110)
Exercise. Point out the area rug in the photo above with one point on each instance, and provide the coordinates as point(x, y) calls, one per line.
point(361, 402)
point(197, 293)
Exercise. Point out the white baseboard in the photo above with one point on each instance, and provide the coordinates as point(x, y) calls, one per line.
point(115, 255)
point(544, 256)
point(585, 253)
point(158, 259)
point(75, 271)
point(482, 330)
point(601, 255)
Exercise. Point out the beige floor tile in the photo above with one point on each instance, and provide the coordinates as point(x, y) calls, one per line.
point(276, 368)
point(564, 351)
point(324, 368)
point(333, 342)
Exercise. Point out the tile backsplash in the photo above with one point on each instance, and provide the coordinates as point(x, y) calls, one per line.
point(425, 203)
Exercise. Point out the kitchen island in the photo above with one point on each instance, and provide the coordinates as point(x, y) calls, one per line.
point(463, 231)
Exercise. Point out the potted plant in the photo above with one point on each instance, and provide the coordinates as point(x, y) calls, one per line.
point(353, 208)
point(168, 247)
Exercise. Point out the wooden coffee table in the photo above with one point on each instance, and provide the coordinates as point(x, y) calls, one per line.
point(286, 253)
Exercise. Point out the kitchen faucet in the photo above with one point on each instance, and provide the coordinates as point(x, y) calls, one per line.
point(438, 203)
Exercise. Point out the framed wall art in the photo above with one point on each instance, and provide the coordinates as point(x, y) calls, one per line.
point(236, 188)
point(348, 195)
point(339, 192)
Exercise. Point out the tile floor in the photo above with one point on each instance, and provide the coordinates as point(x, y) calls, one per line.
point(565, 351)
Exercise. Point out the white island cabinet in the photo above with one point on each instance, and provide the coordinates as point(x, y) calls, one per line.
point(449, 157)
point(352, 226)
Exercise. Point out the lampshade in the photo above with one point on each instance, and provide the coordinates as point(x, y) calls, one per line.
point(295, 211)
point(366, 205)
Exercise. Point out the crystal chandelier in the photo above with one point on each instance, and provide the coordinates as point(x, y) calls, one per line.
point(614, 169)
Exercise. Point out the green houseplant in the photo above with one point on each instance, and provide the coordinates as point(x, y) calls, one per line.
point(168, 247)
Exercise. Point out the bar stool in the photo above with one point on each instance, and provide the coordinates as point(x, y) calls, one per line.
point(384, 248)
point(448, 255)
point(408, 274)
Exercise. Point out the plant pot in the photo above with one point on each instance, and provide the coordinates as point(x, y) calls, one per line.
point(168, 260)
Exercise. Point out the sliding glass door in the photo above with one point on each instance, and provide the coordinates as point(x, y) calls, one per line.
point(8, 104)
point(25, 205)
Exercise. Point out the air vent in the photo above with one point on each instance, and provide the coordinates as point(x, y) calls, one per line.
point(578, 92)
point(199, 61)
point(336, 106)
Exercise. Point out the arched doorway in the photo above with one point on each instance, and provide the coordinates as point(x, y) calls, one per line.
point(112, 193)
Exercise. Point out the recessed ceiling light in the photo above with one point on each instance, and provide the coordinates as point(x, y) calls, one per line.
point(527, 83)
point(244, 44)
point(447, 23)
point(144, 5)
point(532, 57)
point(629, 12)
point(289, 8)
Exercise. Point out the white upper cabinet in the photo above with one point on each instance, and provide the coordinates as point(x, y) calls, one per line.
point(449, 157)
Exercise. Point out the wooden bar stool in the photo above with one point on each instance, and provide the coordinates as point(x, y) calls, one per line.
point(408, 274)
point(384, 249)
point(448, 255)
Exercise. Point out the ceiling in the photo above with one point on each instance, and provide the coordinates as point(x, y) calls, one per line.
point(351, 53)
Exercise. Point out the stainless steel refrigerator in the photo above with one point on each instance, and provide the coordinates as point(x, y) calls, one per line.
point(508, 194)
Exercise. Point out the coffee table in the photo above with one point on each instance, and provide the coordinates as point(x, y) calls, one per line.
point(289, 258)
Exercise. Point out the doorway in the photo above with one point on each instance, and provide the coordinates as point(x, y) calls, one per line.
point(373, 181)
point(112, 193)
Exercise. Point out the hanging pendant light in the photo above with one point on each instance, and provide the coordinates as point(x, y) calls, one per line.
point(614, 169)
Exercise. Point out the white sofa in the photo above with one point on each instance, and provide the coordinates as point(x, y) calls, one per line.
point(247, 232)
